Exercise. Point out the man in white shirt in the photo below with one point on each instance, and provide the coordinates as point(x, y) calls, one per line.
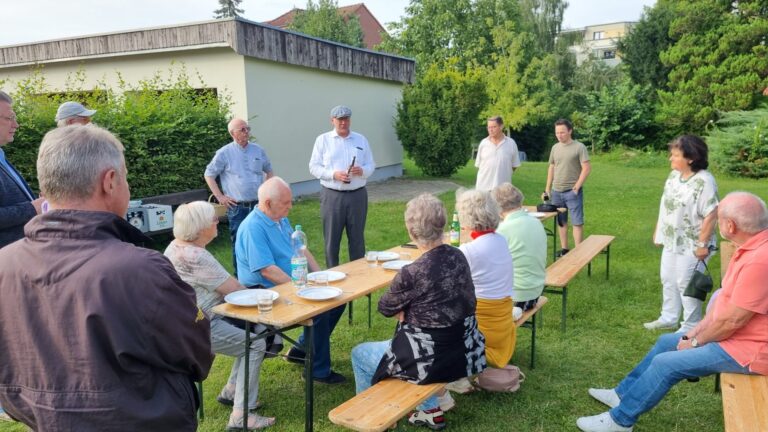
point(497, 157)
point(342, 161)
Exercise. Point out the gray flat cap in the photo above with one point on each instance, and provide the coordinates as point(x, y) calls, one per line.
point(73, 109)
point(341, 112)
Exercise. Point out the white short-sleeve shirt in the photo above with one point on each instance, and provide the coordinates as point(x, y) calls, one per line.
point(495, 163)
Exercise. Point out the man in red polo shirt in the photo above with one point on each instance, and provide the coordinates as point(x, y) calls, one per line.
point(732, 338)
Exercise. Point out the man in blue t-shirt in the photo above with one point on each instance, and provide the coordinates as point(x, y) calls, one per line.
point(263, 250)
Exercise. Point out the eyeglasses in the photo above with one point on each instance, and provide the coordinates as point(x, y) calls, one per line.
point(244, 129)
point(11, 118)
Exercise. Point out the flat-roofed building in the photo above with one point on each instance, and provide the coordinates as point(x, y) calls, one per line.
point(599, 41)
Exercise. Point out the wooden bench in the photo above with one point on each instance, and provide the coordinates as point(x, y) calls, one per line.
point(560, 273)
point(745, 398)
point(523, 321)
point(382, 405)
point(385, 403)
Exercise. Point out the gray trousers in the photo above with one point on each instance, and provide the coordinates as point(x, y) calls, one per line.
point(343, 210)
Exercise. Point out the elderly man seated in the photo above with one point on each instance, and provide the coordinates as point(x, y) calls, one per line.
point(732, 338)
point(527, 243)
point(263, 250)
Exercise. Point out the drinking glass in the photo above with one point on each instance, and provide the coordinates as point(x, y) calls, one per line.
point(264, 302)
point(321, 279)
point(373, 258)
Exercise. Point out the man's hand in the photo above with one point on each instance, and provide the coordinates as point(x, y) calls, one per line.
point(226, 200)
point(701, 253)
point(356, 171)
point(576, 190)
point(684, 344)
point(342, 176)
point(545, 196)
point(38, 204)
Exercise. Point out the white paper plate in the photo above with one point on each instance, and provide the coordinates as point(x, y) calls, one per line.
point(537, 214)
point(396, 264)
point(319, 293)
point(388, 256)
point(333, 275)
point(248, 297)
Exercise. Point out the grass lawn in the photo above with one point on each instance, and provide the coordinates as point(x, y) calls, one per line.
point(605, 337)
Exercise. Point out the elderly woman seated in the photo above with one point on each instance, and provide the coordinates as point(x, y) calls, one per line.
point(434, 302)
point(195, 225)
point(492, 274)
point(527, 242)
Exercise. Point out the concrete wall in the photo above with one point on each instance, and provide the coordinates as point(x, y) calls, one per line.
point(292, 104)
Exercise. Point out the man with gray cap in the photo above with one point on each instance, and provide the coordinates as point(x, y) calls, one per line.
point(342, 161)
point(70, 113)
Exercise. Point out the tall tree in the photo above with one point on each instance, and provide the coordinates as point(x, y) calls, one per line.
point(719, 61)
point(323, 20)
point(640, 49)
point(228, 9)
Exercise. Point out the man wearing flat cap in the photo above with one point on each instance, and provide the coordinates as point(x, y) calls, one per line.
point(342, 161)
point(70, 113)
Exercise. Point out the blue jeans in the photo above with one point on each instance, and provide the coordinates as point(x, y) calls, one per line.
point(662, 368)
point(573, 202)
point(323, 327)
point(365, 360)
point(235, 216)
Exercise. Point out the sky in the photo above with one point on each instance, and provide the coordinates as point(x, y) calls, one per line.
point(37, 20)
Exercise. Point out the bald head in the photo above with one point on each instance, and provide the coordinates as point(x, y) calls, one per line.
point(275, 198)
point(742, 213)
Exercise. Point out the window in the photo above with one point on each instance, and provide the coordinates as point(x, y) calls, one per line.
point(598, 35)
point(609, 55)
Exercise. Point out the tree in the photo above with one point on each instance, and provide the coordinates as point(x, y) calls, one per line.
point(323, 20)
point(435, 30)
point(437, 116)
point(718, 62)
point(640, 49)
point(228, 9)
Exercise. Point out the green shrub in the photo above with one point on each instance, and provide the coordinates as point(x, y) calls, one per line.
point(739, 143)
point(438, 116)
point(170, 129)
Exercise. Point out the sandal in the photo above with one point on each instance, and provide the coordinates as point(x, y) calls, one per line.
point(255, 422)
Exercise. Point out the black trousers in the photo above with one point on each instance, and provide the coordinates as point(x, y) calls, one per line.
point(340, 211)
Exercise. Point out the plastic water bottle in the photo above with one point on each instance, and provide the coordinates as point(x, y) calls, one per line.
point(299, 259)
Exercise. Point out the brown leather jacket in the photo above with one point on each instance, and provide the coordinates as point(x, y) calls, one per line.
point(96, 333)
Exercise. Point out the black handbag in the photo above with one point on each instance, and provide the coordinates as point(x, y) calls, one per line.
point(700, 283)
point(546, 207)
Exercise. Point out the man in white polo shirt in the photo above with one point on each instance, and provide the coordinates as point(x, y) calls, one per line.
point(497, 157)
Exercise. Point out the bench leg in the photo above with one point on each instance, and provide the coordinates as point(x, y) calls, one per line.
point(607, 261)
point(565, 303)
point(717, 383)
point(589, 269)
point(533, 340)
point(200, 411)
point(369, 311)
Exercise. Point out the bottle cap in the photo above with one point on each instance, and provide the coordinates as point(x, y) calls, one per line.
point(298, 227)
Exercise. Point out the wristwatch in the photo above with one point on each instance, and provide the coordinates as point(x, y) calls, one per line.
point(700, 244)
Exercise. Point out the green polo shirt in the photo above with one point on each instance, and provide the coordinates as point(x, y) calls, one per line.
point(528, 246)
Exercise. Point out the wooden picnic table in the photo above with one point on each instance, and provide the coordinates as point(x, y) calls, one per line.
point(290, 311)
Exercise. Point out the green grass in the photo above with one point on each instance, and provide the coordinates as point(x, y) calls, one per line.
point(605, 337)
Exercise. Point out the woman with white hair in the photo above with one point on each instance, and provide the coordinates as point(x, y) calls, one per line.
point(195, 225)
point(433, 300)
point(492, 274)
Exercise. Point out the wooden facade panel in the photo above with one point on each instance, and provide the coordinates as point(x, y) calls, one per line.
point(245, 37)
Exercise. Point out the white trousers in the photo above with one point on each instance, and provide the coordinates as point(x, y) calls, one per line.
point(676, 271)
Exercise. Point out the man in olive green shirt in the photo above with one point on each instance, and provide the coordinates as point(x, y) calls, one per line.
point(568, 170)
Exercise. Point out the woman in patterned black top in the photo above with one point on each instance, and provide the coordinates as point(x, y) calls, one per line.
point(436, 339)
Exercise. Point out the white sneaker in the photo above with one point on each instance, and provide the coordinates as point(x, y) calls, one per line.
point(606, 396)
point(446, 401)
point(601, 423)
point(461, 386)
point(659, 325)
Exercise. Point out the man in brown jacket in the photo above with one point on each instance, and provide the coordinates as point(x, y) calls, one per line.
point(95, 333)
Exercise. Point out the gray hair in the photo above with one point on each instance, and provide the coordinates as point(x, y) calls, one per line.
point(499, 121)
point(72, 159)
point(508, 197)
point(4, 97)
point(425, 219)
point(191, 218)
point(746, 210)
point(272, 188)
point(478, 211)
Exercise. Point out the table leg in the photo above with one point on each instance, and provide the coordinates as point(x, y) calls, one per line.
point(309, 396)
point(607, 261)
point(349, 311)
point(563, 313)
point(369, 310)
point(246, 359)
